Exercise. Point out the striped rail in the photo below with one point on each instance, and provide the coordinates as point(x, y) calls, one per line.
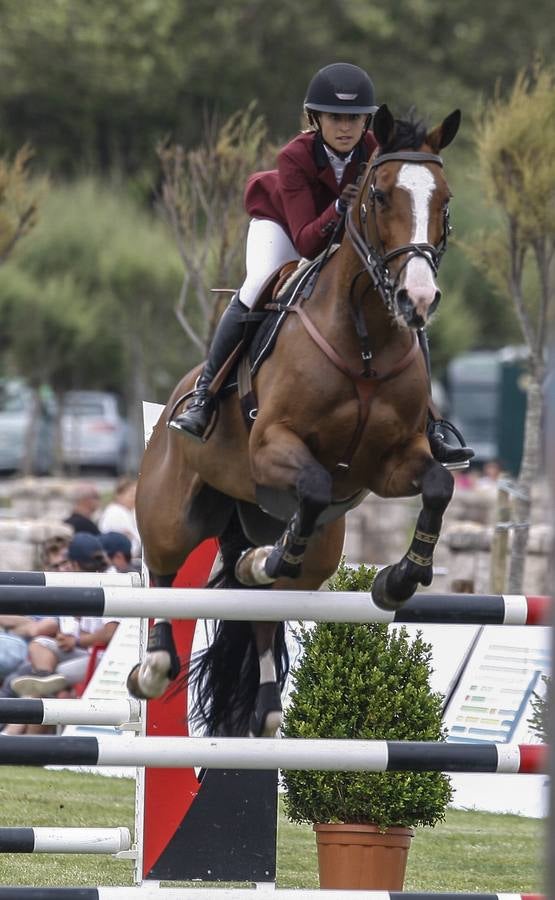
point(70, 712)
point(260, 753)
point(71, 579)
point(153, 892)
point(64, 840)
point(271, 606)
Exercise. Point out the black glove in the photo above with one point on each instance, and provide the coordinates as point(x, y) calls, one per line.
point(348, 194)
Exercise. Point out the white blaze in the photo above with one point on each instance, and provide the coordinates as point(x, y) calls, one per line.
point(420, 184)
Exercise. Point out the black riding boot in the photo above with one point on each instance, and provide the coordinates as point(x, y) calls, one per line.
point(196, 418)
point(442, 451)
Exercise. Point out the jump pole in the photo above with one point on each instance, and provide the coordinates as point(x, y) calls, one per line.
point(150, 892)
point(70, 712)
point(272, 606)
point(71, 579)
point(260, 753)
point(65, 840)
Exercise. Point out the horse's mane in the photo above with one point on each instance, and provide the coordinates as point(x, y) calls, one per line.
point(409, 134)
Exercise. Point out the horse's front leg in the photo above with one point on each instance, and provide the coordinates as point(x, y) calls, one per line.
point(395, 584)
point(283, 461)
point(322, 557)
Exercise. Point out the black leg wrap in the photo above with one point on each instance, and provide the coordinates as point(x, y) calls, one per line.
point(268, 700)
point(160, 637)
point(286, 559)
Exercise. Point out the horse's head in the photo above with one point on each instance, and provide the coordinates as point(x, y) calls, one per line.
point(400, 221)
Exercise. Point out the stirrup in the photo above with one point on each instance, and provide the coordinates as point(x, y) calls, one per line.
point(436, 426)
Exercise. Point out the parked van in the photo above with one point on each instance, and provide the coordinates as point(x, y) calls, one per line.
point(487, 402)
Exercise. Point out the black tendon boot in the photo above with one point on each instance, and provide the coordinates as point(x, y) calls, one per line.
point(196, 418)
point(447, 454)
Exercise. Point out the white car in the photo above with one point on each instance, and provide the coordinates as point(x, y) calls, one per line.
point(26, 419)
point(94, 431)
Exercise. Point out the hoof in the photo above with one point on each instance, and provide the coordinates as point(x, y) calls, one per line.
point(149, 680)
point(383, 594)
point(250, 568)
point(266, 716)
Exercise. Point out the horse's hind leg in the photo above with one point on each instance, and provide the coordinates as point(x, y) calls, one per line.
point(395, 584)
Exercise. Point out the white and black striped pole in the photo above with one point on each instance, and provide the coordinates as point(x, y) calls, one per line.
point(64, 840)
point(153, 892)
point(70, 579)
point(69, 712)
point(259, 753)
point(272, 606)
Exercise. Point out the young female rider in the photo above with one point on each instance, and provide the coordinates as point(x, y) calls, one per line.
point(294, 211)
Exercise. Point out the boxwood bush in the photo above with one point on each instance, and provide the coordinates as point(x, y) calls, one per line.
point(364, 682)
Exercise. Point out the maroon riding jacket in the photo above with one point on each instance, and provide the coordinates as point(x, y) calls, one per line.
point(300, 194)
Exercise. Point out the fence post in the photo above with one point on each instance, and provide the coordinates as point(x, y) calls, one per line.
point(500, 540)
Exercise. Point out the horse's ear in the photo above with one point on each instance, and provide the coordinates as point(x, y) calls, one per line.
point(383, 125)
point(443, 135)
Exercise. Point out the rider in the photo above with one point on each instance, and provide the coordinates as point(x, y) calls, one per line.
point(294, 211)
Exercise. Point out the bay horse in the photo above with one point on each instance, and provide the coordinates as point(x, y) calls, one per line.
point(342, 405)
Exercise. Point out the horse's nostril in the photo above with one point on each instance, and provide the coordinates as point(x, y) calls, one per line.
point(435, 302)
point(404, 303)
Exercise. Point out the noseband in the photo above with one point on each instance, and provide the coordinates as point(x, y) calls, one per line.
point(376, 263)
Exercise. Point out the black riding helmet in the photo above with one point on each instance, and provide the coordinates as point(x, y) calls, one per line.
point(340, 88)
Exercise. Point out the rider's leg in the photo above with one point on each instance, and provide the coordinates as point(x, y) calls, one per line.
point(268, 248)
point(441, 450)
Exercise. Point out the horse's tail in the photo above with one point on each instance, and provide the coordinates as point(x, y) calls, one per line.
point(225, 677)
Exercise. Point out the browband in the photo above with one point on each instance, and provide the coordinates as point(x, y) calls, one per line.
point(406, 156)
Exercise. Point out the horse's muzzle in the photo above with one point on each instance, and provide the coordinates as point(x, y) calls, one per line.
point(415, 315)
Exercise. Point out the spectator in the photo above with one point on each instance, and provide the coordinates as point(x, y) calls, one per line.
point(117, 548)
point(53, 554)
point(119, 515)
point(17, 631)
point(85, 554)
point(86, 504)
point(60, 663)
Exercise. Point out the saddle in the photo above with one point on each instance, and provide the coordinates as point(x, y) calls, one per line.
point(263, 324)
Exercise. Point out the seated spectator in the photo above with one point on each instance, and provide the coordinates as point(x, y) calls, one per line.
point(58, 664)
point(53, 554)
point(17, 631)
point(119, 515)
point(117, 548)
point(84, 554)
point(86, 504)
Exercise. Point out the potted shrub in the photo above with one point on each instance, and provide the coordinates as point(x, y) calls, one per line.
point(363, 682)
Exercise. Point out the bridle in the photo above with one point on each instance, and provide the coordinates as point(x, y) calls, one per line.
point(376, 263)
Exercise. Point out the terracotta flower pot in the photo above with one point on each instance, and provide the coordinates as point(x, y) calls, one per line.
point(358, 857)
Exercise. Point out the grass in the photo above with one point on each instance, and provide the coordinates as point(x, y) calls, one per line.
point(470, 851)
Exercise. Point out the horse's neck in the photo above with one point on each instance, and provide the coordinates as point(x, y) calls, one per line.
point(344, 296)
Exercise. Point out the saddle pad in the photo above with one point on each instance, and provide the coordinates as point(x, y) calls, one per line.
point(267, 332)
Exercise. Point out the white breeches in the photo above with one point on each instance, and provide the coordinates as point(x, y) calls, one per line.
point(268, 248)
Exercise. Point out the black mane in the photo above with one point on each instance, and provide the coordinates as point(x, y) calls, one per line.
point(409, 134)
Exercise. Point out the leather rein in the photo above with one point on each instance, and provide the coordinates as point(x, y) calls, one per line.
point(367, 382)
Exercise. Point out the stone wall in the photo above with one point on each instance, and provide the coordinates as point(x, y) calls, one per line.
point(32, 510)
point(379, 531)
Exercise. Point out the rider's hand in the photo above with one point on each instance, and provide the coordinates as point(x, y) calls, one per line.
point(348, 194)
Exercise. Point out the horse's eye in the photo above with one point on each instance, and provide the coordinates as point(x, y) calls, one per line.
point(380, 198)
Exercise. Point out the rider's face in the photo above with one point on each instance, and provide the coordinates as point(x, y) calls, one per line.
point(342, 131)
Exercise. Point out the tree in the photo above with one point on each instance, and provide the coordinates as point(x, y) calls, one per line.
point(18, 201)
point(202, 199)
point(515, 140)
